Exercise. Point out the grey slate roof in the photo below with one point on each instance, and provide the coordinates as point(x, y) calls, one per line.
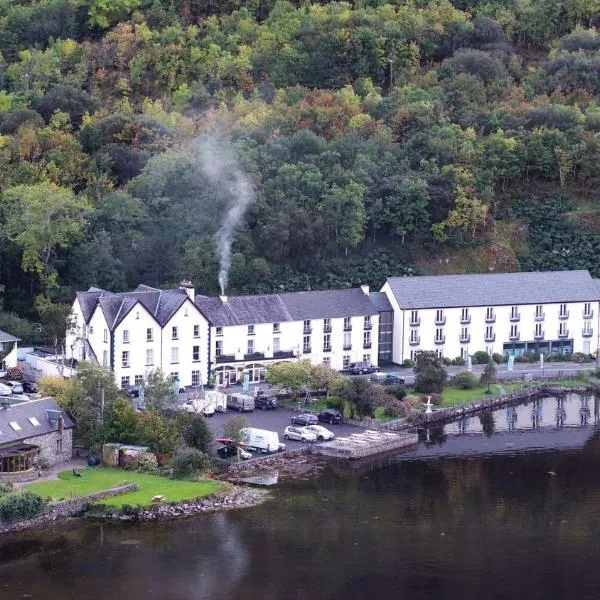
point(161, 304)
point(494, 289)
point(20, 413)
point(279, 308)
point(380, 301)
point(7, 337)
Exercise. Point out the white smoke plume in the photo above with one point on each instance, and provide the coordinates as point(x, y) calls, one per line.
point(221, 168)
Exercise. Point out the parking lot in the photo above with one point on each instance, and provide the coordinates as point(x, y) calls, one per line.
point(273, 420)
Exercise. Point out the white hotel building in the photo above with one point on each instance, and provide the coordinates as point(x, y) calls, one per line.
point(196, 338)
point(506, 313)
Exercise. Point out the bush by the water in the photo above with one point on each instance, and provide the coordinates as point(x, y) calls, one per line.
point(188, 462)
point(19, 506)
point(465, 380)
point(147, 462)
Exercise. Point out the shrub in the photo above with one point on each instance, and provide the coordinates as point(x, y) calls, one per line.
point(147, 462)
point(498, 358)
point(6, 488)
point(335, 402)
point(188, 462)
point(408, 363)
point(19, 506)
point(398, 391)
point(465, 380)
point(459, 360)
point(131, 510)
point(393, 407)
point(436, 399)
point(480, 357)
point(14, 374)
point(447, 361)
point(580, 357)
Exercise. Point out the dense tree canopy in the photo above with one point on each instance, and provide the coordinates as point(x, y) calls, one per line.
point(381, 137)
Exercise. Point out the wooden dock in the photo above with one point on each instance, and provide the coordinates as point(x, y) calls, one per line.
point(366, 444)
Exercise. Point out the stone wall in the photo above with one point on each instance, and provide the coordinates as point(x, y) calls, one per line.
point(19, 476)
point(67, 508)
point(47, 444)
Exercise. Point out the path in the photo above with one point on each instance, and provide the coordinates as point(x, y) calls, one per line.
point(52, 472)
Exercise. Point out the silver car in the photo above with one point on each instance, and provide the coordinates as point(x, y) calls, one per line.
point(302, 434)
point(5, 390)
point(15, 386)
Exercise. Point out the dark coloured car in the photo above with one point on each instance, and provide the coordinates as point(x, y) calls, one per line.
point(362, 368)
point(305, 419)
point(227, 451)
point(265, 402)
point(331, 415)
point(387, 379)
point(29, 387)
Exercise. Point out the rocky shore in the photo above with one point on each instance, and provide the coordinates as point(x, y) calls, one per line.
point(230, 498)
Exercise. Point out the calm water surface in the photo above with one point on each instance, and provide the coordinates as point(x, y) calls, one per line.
point(440, 523)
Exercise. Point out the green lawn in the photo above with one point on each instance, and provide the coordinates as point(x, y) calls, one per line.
point(103, 478)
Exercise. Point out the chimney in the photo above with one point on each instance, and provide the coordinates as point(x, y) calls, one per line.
point(365, 289)
point(60, 425)
point(5, 403)
point(188, 287)
point(223, 299)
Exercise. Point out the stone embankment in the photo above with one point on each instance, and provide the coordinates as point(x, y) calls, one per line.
point(233, 497)
point(66, 508)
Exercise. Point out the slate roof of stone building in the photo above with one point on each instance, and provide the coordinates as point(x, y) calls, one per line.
point(494, 289)
point(161, 304)
point(7, 337)
point(21, 415)
point(380, 301)
point(279, 308)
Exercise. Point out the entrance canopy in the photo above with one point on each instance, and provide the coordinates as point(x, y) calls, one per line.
point(17, 458)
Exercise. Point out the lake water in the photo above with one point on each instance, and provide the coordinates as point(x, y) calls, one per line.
point(471, 516)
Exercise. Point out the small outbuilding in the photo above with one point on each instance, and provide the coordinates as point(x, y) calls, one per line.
point(31, 431)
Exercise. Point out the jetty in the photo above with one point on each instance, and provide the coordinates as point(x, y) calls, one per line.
point(366, 444)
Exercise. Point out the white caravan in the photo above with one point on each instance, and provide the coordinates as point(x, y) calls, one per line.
point(261, 440)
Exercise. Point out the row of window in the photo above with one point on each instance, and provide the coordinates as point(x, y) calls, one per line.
point(149, 334)
point(139, 379)
point(125, 357)
point(490, 336)
point(490, 314)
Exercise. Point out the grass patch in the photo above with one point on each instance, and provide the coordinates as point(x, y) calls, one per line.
point(381, 416)
point(104, 478)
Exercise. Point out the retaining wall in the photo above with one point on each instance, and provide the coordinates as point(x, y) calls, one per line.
point(67, 508)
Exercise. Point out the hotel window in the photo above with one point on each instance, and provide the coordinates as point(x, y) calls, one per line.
point(464, 315)
point(538, 330)
point(105, 358)
point(196, 331)
point(138, 380)
point(327, 361)
point(219, 331)
point(91, 329)
point(218, 348)
point(125, 359)
point(347, 341)
point(367, 339)
point(464, 333)
point(195, 353)
point(149, 334)
point(539, 311)
point(327, 342)
point(346, 362)
point(250, 329)
point(174, 333)
point(563, 310)
point(347, 323)
point(276, 342)
point(306, 344)
point(514, 312)
point(307, 326)
point(414, 336)
point(149, 358)
point(327, 325)
point(124, 382)
point(587, 309)
point(514, 331)
point(439, 316)
point(250, 346)
point(367, 324)
point(276, 327)
point(106, 336)
point(489, 332)
point(174, 355)
point(439, 335)
point(126, 336)
point(195, 378)
point(489, 313)
point(562, 329)
point(414, 317)
point(174, 375)
point(367, 358)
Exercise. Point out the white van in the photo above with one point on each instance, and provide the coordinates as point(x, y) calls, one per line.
point(261, 440)
point(240, 402)
point(212, 402)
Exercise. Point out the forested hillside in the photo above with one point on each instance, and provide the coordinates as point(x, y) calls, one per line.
point(381, 137)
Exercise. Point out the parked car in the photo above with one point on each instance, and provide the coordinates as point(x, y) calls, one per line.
point(240, 402)
point(29, 387)
point(265, 401)
point(15, 386)
point(387, 379)
point(302, 434)
point(305, 419)
point(331, 415)
point(360, 368)
point(321, 432)
point(229, 451)
point(5, 390)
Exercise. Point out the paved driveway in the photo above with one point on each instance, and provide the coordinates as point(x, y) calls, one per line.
point(273, 420)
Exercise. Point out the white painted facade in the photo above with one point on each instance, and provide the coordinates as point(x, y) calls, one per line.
point(504, 329)
point(8, 350)
point(249, 349)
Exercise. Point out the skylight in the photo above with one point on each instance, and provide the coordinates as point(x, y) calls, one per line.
point(15, 426)
point(34, 422)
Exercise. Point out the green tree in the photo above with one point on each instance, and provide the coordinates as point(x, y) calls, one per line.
point(158, 433)
point(489, 375)
point(293, 376)
point(347, 215)
point(195, 431)
point(159, 393)
point(359, 393)
point(430, 373)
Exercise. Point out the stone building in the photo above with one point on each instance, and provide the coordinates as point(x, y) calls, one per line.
point(31, 431)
